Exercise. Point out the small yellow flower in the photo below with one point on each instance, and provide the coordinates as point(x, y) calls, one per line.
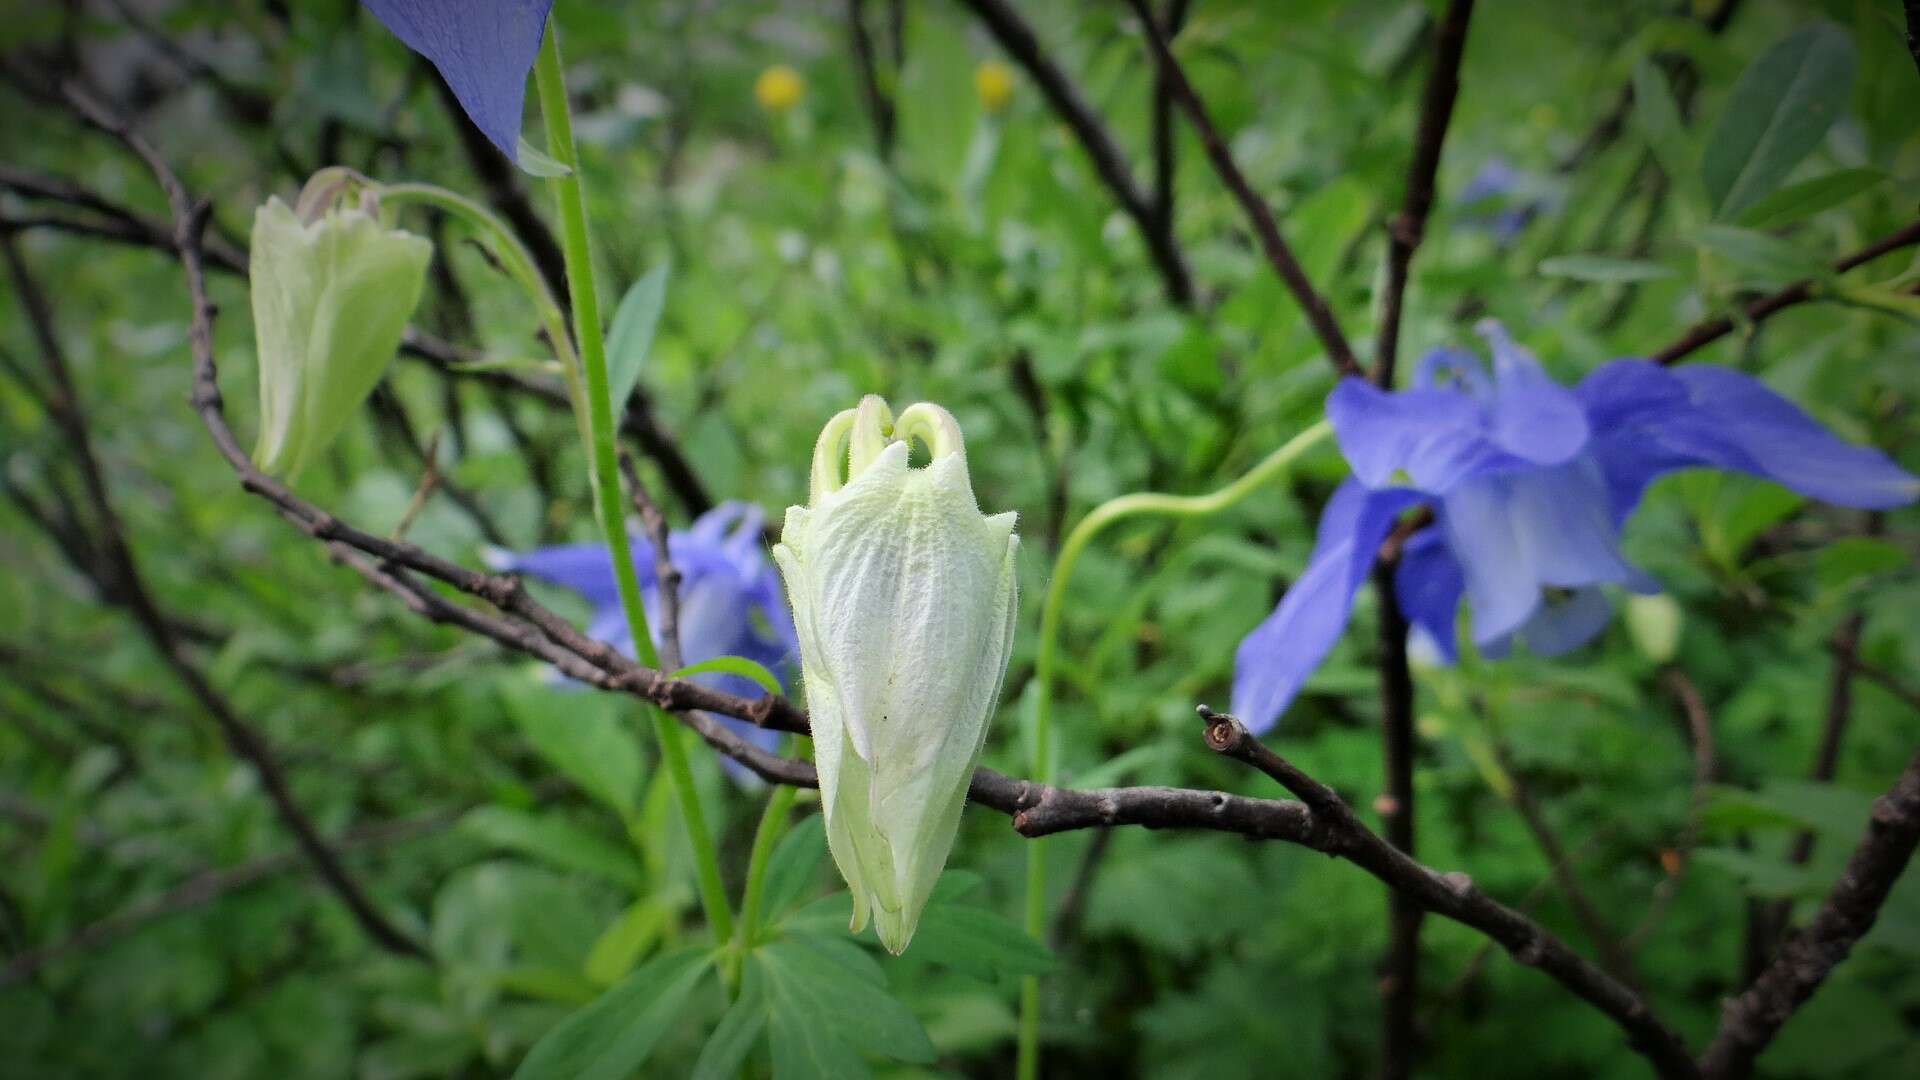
point(779, 88)
point(993, 81)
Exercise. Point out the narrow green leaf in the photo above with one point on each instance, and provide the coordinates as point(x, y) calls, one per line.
point(582, 737)
point(979, 942)
point(626, 939)
point(631, 336)
point(611, 1038)
point(1658, 117)
point(555, 841)
point(793, 865)
point(1851, 558)
point(1757, 258)
point(1797, 202)
point(827, 1010)
point(1783, 104)
point(727, 1048)
point(733, 665)
point(1602, 268)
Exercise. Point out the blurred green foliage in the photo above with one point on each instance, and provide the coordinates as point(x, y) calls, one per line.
point(984, 266)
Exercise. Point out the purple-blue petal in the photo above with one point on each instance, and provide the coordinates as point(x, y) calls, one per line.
point(1514, 532)
point(1531, 416)
point(1430, 437)
point(1649, 420)
point(1428, 585)
point(1275, 659)
point(1559, 625)
point(483, 48)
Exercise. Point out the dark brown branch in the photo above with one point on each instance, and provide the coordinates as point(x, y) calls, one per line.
point(1259, 214)
point(879, 105)
point(1749, 1022)
point(1164, 157)
point(240, 736)
point(1400, 971)
point(1711, 330)
point(672, 658)
point(1599, 931)
point(1886, 680)
point(1912, 8)
point(1333, 828)
point(1680, 69)
point(1109, 161)
point(1408, 227)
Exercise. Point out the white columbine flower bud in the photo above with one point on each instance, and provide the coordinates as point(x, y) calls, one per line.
point(332, 291)
point(903, 594)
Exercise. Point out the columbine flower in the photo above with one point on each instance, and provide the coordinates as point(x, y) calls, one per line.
point(993, 81)
point(1529, 483)
point(779, 88)
point(332, 290)
point(903, 593)
point(483, 48)
point(730, 602)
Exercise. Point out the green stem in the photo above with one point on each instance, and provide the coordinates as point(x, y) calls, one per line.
point(518, 262)
point(773, 824)
point(606, 474)
point(1113, 510)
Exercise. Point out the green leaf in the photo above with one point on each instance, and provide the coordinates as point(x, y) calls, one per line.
point(1658, 117)
point(581, 736)
point(626, 939)
point(733, 665)
point(829, 1006)
point(556, 841)
point(1778, 111)
point(1797, 202)
point(727, 1048)
point(793, 865)
point(1603, 268)
point(1851, 558)
point(611, 1038)
point(535, 162)
point(979, 942)
point(1760, 259)
point(631, 336)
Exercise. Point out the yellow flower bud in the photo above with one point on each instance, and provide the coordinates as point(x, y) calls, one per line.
point(779, 88)
point(993, 81)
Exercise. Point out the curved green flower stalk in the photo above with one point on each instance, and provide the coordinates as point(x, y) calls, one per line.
point(1270, 468)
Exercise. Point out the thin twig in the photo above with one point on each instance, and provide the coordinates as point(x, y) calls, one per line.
point(1334, 829)
point(1711, 330)
point(1749, 1022)
point(1409, 226)
point(1912, 8)
point(245, 742)
point(1164, 158)
point(1706, 769)
point(1109, 161)
point(1272, 244)
point(1400, 972)
point(672, 658)
point(879, 105)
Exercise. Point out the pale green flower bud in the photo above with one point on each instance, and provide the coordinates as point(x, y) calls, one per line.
point(1654, 623)
point(903, 595)
point(332, 291)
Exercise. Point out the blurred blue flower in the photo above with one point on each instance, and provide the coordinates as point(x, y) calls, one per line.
point(1505, 191)
point(731, 602)
point(483, 48)
point(1529, 483)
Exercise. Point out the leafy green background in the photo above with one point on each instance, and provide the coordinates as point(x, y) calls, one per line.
point(984, 267)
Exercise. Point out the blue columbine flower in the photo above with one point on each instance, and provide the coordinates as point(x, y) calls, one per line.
point(483, 48)
point(1529, 483)
point(731, 603)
